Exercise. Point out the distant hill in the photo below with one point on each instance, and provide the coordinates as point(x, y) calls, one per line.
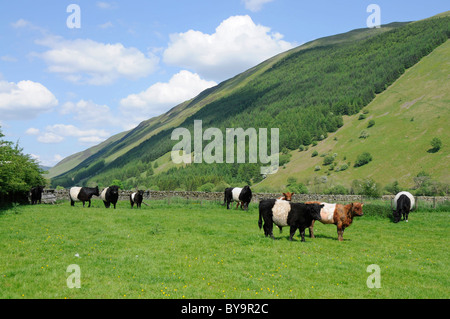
point(308, 92)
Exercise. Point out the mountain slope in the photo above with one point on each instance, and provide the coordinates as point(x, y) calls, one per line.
point(407, 116)
point(305, 92)
point(121, 143)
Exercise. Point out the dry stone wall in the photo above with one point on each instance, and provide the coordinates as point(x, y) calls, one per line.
point(52, 195)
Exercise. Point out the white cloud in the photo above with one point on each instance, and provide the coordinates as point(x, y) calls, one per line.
point(90, 113)
point(50, 138)
point(106, 5)
point(58, 132)
point(255, 5)
point(32, 131)
point(237, 44)
point(21, 23)
point(91, 62)
point(24, 100)
point(160, 97)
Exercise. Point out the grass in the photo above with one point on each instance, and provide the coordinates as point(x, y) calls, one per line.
point(201, 250)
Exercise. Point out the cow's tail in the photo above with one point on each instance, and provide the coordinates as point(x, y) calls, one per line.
point(260, 220)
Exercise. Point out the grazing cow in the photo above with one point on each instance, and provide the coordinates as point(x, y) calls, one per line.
point(110, 195)
point(286, 196)
point(136, 198)
point(242, 196)
point(284, 213)
point(36, 194)
point(403, 203)
point(82, 194)
point(339, 215)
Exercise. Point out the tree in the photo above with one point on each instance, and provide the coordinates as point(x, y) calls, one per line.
point(18, 172)
point(363, 159)
point(436, 145)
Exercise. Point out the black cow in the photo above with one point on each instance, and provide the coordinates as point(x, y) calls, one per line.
point(82, 194)
point(284, 213)
point(403, 208)
point(36, 194)
point(136, 198)
point(110, 195)
point(242, 196)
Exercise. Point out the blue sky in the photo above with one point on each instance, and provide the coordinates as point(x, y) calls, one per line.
point(65, 89)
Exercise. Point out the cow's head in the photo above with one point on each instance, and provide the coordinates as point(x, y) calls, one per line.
point(397, 215)
point(357, 209)
point(114, 190)
point(288, 196)
point(314, 210)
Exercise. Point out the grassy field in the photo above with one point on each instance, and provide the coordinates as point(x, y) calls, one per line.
point(201, 250)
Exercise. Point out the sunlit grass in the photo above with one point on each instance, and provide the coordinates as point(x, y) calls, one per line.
point(201, 250)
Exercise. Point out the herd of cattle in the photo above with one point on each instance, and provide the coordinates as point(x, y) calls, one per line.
point(281, 211)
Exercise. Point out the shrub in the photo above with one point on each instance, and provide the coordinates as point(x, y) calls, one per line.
point(436, 144)
point(315, 153)
point(364, 134)
point(371, 123)
point(361, 117)
point(317, 168)
point(363, 159)
point(301, 148)
point(208, 187)
point(328, 160)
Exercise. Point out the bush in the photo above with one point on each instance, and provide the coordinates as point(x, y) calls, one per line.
point(328, 160)
point(317, 168)
point(301, 148)
point(364, 134)
point(361, 117)
point(336, 190)
point(371, 123)
point(363, 159)
point(208, 187)
point(436, 144)
point(314, 154)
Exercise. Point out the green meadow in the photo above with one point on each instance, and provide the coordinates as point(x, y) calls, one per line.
point(201, 250)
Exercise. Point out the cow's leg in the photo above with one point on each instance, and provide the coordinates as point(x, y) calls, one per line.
point(340, 231)
point(406, 216)
point(114, 205)
point(72, 203)
point(311, 229)
point(281, 229)
point(293, 229)
point(228, 204)
point(83, 203)
point(89, 203)
point(302, 233)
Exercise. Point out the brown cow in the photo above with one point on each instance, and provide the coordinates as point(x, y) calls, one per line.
point(286, 196)
point(337, 214)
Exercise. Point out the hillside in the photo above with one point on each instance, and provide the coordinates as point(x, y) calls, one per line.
point(407, 116)
point(120, 143)
point(306, 92)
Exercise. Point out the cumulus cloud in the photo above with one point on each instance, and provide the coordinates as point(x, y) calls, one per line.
point(58, 132)
point(24, 100)
point(237, 44)
point(32, 131)
point(90, 113)
point(255, 5)
point(160, 97)
point(90, 62)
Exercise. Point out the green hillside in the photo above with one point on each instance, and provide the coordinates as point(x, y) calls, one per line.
point(121, 143)
point(407, 116)
point(307, 92)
